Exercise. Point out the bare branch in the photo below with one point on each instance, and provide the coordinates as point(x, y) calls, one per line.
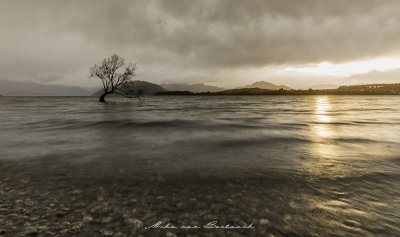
point(107, 72)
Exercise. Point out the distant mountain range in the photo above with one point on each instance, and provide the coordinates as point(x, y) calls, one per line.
point(265, 85)
point(148, 88)
point(192, 88)
point(25, 88)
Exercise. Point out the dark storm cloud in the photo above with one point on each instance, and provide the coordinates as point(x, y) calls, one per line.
point(236, 32)
point(194, 35)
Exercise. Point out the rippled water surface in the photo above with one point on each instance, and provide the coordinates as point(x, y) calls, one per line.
point(293, 165)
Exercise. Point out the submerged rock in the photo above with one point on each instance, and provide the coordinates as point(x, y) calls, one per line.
point(263, 221)
point(135, 224)
point(30, 231)
point(87, 218)
point(170, 234)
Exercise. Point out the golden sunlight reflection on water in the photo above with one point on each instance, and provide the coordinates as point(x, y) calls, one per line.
point(322, 150)
point(319, 127)
point(321, 113)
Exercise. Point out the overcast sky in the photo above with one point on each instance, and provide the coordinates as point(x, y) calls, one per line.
point(225, 43)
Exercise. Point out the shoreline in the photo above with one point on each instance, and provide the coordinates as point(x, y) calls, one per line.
point(50, 197)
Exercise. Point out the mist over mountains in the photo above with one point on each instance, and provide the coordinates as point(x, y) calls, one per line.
point(200, 87)
point(27, 88)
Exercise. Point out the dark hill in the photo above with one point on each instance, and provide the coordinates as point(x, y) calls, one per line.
point(145, 87)
point(266, 85)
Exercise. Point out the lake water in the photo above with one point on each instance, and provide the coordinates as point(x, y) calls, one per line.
point(292, 165)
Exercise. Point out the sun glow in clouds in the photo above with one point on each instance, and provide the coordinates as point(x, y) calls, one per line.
point(348, 69)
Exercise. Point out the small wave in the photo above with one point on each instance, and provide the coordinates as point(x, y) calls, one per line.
point(355, 140)
point(120, 124)
point(334, 123)
point(221, 125)
point(264, 141)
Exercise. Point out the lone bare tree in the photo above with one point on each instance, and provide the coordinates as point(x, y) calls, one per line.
point(114, 75)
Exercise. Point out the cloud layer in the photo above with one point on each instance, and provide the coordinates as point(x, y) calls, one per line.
point(176, 40)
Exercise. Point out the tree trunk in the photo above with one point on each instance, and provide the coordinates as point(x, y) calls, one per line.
point(102, 97)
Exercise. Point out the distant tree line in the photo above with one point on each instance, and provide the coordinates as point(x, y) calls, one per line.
point(369, 89)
